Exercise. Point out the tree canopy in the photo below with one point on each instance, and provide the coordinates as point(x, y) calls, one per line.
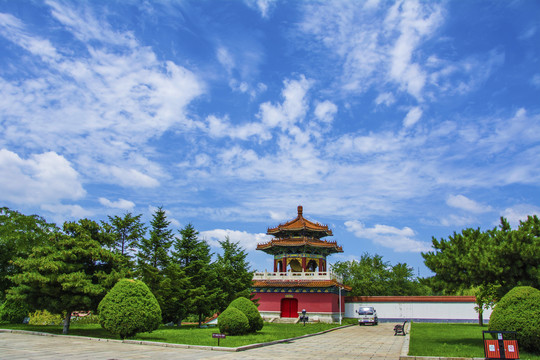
point(71, 271)
point(499, 257)
point(371, 276)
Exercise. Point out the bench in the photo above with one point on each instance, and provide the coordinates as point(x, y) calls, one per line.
point(400, 329)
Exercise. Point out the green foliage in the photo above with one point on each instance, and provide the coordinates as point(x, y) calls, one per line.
point(233, 322)
point(127, 232)
point(128, 308)
point(519, 310)
point(153, 255)
point(172, 294)
point(235, 278)
point(18, 235)
point(72, 271)
point(43, 317)
point(194, 256)
point(14, 311)
point(249, 309)
point(501, 256)
point(371, 276)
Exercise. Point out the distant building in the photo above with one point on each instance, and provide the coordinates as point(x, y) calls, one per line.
point(300, 279)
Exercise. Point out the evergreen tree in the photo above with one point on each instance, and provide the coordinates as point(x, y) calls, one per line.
point(153, 255)
point(172, 294)
point(72, 271)
point(194, 257)
point(501, 258)
point(19, 233)
point(127, 232)
point(235, 278)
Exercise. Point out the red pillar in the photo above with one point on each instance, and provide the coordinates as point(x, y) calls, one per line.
point(284, 264)
point(303, 264)
point(275, 265)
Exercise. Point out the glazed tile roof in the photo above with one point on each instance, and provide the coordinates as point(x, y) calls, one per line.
point(298, 283)
point(299, 242)
point(300, 223)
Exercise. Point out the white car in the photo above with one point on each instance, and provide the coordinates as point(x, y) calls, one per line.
point(367, 315)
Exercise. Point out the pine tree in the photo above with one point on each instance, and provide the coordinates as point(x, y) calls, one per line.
point(127, 232)
point(194, 257)
point(153, 255)
point(72, 271)
point(235, 278)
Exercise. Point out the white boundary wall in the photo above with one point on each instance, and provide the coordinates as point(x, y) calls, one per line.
point(418, 308)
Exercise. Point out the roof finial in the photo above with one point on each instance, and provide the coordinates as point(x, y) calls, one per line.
point(300, 210)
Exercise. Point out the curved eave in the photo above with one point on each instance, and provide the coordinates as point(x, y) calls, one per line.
point(282, 243)
point(299, 283)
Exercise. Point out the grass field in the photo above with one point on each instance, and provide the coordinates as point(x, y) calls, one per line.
point(451, 340)
point(189, 334)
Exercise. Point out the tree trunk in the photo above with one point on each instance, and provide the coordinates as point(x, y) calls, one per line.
point(179, 323)
point(67, 320)
point(200, 319)
point(481, 318)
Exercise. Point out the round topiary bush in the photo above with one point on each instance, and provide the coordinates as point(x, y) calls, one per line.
point(249, 309)
point(519, 310)
point(128, 308)
point(14, 312)
point(233, 322)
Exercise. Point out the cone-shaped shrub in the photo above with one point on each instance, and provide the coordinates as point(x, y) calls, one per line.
point(249, 309)
point(519, 310)
point(128, 308)
point(233, 322)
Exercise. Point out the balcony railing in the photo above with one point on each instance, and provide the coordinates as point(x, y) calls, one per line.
point(317, 275)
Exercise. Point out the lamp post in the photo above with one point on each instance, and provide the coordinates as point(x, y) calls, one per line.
point(339, 305)
point(304, 317)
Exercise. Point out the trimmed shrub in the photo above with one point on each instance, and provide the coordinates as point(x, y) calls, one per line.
point(43, 317)
point(14, 312)
point(233, 322)
point(89, 319)
point(129, 308)
point(519, 310)
point(249, 309)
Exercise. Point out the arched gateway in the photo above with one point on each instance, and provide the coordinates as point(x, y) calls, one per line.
point(300, 279)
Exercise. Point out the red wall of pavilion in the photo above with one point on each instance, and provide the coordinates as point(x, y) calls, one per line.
point(312, 302)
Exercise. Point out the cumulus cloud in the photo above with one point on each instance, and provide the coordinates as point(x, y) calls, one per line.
point(325, 111)
point(119, 204)
point(401, 240)
point(464, 203)
point(246, 240)
point(41, 178)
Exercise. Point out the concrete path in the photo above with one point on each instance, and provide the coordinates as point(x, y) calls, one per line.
point(356, 342)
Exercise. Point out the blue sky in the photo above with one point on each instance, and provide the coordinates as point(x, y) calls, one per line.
point(390, 122)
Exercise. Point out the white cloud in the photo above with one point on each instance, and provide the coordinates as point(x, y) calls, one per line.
point(292, 109)
point(246, 240)
point(119, 204)
point(412, 116)
point(455, 220)
point(518, 213)
point(42, 178)
point(464, 203)
point(401, 240)
point(61, 212)
point(107, 102)
point(263, 6)
point(385, 98)
point(325, 111)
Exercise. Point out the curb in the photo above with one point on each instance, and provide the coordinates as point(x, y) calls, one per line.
point(181, 346)
point(405, 351)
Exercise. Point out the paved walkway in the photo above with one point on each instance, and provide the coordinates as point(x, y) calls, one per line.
point(355, 342)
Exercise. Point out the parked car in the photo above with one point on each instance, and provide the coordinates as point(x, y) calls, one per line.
point(367, 315)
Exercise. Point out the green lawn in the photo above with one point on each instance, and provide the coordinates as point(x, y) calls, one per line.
point(451, 340)
point(189, 334)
